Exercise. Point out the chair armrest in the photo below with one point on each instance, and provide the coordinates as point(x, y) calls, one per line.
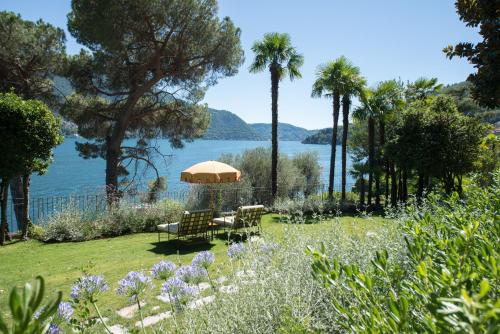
point(228, 213)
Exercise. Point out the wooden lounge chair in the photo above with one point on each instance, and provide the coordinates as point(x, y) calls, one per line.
point(193, 224)
point(246, 217)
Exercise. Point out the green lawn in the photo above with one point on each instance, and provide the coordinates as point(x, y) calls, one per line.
point(62, 263)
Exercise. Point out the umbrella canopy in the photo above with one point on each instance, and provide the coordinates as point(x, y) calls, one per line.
point(210, 172)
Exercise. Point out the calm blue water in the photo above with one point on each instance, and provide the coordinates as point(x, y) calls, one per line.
point(70, 174)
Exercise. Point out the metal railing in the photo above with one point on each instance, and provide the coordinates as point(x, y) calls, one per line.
point(42, 208)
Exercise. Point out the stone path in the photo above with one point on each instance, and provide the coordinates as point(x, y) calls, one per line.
point(200, 302)
point(129, 311)
point(118, 329)
point(151, 320)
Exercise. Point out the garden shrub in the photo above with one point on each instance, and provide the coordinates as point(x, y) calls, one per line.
point(447, 280)
point(74, 224)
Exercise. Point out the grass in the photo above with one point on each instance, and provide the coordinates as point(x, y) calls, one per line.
point(62, 263)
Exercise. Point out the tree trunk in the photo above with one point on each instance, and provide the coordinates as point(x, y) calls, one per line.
point(16, 192)
point(26, 197)
point(377, 188)
point(400, 186)
point(371, 154)
point(346, 104)
point(112, 156)
point(420, 186)
point(362, 192)
point(274, 134)
point(3, 221)
point(405, 185)
point(394, 186)
point(336, 112)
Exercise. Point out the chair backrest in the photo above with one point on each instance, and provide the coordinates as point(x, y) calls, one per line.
point(195, 222)
point(248, 216)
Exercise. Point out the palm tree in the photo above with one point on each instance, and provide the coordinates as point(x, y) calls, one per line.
point(362, 112)
point(422, 88)
point(329, 84)
point(276, 52)
point(387, 98)
point(353, 85)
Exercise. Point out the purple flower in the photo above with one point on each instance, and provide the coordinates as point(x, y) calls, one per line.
point(134, 284)
point(65, 311)
point(53, 329)
point(88, 287)
point(236, 250)
point(268, 247)
point(191, 274)
point(163, 270)
point(203, 259)
point(178, 290)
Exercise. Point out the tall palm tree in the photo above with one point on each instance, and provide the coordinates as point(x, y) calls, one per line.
point(276, 52)
point(329, 83)
point(367, 111)
point(387, 98)
point(353, 85)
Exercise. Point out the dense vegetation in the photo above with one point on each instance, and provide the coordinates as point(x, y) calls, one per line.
point(225, 125)
point(323, 137)
point(285, 131)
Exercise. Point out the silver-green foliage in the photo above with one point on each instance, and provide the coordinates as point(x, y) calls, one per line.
point(448, 279)
point(275, 293)
point(75, 224)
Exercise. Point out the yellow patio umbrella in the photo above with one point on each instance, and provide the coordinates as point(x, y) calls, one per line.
point(210, 172)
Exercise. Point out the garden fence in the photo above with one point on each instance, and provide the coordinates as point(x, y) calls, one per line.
point(41, 208)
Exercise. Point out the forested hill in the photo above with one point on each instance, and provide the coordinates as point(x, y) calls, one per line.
point(323, 137)
point(285, 131)
point(225, 125)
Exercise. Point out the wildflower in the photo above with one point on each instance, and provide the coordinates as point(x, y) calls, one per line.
point(178, 290)
point(163, 270)
point(203, 259)
point(134, 284)
point(191, 274)
point(236, 250)
point(88, 287)
point(53, 329)
point(65, 311)
point(268, 247)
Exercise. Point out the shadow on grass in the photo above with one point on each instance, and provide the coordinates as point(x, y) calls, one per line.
point(180, 246)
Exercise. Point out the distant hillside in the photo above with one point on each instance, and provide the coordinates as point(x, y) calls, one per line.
point(285, 131)
point(324, 137)
point(462, 95)
point(227, 126)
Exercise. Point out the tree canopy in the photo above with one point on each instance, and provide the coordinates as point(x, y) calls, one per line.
point(483, 55)
point(148, 65)
point(30, 54)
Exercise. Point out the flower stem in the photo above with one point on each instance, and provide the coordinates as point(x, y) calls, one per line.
point(140, 314)
point(100, 317)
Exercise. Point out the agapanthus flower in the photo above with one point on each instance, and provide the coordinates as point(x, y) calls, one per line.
point(65, 311)
point(191, 274)
point(88, 287)
point(134, 284)
point(53, 329)
point(163, 270)
point(236, 250)
point(203, 259)
point(178, 290)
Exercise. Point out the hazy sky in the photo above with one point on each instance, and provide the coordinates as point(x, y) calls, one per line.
point(386, 39)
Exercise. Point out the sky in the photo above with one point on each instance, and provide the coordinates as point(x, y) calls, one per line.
point(389, 39)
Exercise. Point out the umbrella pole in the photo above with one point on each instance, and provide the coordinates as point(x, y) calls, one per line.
point(212, 199)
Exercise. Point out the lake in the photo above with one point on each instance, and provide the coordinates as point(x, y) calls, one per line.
point(70, 174)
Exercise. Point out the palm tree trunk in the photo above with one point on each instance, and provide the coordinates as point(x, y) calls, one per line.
point(346, 104)
point(26, 197)
point(371, 153)
point(362, 192)
point(394, 186)
point(336, 112)
point(274, 134)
